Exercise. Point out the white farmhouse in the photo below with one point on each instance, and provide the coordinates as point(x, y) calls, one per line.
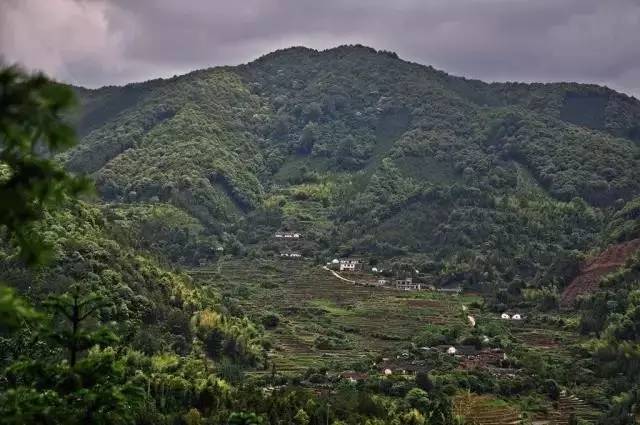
point(350, 265)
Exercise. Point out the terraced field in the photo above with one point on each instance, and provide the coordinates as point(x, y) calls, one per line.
point(361, 322)
point(485, 410)
point(327, 322)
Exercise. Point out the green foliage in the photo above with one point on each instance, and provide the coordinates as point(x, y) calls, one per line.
point(31, 129)
point(364, 153)
point(245, 419)
point(14, 310)
point(500, 188)
point(74, 309)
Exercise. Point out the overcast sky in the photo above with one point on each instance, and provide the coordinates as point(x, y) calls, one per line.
point(99, 42)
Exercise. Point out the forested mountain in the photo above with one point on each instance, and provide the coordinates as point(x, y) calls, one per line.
point(364, 152)
point(165, 300)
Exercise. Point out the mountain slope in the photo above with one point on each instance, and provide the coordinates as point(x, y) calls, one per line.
point(364, 152)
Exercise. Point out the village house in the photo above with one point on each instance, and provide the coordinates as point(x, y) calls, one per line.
point(455, 290)
point(506, 316)
point(291, 255)
point(402, 367)
point(288, 235)
point(379, 282)
point(350, 265)
point(460, 350)
point(408, 284)
point(333, 264)
point(353, 377)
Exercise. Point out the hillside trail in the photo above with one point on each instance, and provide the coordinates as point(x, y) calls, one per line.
point(338, 276)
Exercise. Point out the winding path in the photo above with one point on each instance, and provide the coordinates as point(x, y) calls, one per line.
point(338, 276)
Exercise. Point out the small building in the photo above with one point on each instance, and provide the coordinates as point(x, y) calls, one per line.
point(375, 283)
point(333, 264)
point(407, 284)
point(455, 290)
point(288, 235)
point(382, 282)
point(350, 265)
point(505, 316)
point(460, 350)
point(353, 377)
point(402, 367)
point(516, 317)
point(291, 255)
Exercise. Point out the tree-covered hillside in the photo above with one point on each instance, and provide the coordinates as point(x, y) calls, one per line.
point(165, 297)
point(364, 152)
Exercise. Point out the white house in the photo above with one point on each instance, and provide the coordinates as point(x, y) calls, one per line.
point(452, 350)
point(505, 316)
point(288, 235)
point(292, 255)
point(407, 285)
point(516, 317)
point(350, 265)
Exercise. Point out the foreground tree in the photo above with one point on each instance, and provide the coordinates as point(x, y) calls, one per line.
point(32, 129)
point(76, 309)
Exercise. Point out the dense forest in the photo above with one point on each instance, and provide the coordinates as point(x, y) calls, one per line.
point(113, 198)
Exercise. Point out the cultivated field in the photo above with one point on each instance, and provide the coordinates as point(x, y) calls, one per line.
point(356, 323)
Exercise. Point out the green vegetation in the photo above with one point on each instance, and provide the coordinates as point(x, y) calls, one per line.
point(164, 298)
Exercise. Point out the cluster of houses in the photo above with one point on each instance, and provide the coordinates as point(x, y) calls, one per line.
point(289, 236)
point(506, 316)
point(402, 365)
point(346, 265)
point(400, 283)
point(469, 357)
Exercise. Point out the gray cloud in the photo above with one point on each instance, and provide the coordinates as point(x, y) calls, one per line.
point(95, 42)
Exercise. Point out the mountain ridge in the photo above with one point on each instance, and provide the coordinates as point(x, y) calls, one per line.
point(351, 144)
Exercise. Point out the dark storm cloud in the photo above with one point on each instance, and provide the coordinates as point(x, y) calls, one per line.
point(113, 41)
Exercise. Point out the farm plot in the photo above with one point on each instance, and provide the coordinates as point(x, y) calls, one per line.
point(485, 410)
